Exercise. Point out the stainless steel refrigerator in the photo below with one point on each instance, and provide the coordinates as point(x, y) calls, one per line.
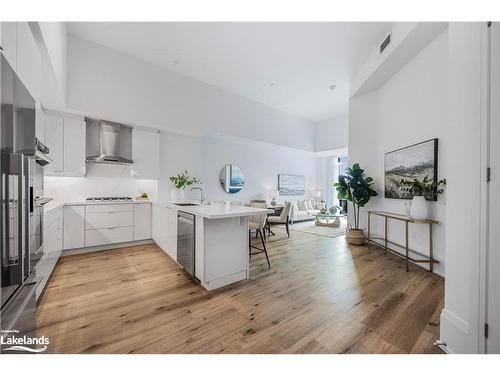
point(21, 211)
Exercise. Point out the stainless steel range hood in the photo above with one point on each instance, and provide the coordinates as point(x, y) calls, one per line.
point(108, 142)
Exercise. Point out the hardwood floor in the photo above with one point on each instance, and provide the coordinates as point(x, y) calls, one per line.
point(320, 296)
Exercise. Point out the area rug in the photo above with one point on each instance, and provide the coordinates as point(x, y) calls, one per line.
point(310, 227)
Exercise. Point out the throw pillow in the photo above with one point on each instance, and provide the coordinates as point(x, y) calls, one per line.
point(309, 205)
point(302, 205)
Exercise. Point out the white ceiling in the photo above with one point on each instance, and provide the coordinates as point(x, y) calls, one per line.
point(289, 66)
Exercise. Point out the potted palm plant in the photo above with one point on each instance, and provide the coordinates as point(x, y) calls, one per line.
point(426, 189)
point(181, 181)
point(356, 188)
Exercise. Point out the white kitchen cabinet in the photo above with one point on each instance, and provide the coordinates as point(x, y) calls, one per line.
point(74, 146)
point(9, 42)
point(98, 220)
point(142, 221)
point(163, 229)
point(107, 224)
point(171, 230)
point(146, 154)
point(40, 123)
point(74, 227)
point(52, 244)
point(65, 138)
point(54, 140)
point(107, 236)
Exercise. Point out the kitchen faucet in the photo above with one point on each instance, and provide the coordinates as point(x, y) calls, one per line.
point(201, 193)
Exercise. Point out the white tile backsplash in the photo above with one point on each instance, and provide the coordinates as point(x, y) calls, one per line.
point(100, 180)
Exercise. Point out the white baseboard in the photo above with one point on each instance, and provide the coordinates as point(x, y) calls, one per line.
point(455, 332)
point(105, 247)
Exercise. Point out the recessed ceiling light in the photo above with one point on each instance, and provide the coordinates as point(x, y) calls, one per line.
point(332, 87)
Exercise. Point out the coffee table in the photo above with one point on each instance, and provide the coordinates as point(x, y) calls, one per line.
point(328, 220)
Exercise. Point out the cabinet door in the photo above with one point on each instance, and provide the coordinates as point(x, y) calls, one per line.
point(146, 154)
point(160, 228)
point(171, 229)
point(54, 138)
point(142, 221)
point(74, 147)
point(52, 232)
point(74, 227)
point(40, 123)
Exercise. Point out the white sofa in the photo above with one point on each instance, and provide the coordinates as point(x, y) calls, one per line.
point(305, 209)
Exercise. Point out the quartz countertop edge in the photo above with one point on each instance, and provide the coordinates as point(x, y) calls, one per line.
point(215, 211)
point(56, 204)
point(212, 211)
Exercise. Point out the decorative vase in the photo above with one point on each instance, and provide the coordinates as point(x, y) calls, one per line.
point(355, 236)
point(177, 194)
point(418, 209)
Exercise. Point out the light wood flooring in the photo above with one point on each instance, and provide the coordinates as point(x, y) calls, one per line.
point(320, 296)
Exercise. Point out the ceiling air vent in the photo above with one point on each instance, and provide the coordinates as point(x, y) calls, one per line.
point(385, 43)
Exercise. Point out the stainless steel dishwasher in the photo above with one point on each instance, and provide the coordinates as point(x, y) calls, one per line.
point(185, 241)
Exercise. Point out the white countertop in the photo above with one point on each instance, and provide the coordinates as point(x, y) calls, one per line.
point(212, 211)
point(55, 204)
point(215, 210)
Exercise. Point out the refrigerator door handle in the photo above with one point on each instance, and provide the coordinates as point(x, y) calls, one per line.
point(17, 169)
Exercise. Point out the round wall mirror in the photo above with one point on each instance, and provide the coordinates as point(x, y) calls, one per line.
point(232, 179)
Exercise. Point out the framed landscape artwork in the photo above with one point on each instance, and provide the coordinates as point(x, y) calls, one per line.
point(289, 184)
point(416, 161)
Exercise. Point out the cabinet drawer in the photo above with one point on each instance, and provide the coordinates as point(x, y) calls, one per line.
point(97, 220)
point(106, 236)
point(121, 207)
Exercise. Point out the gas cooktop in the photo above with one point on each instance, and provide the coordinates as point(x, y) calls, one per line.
point(106, 199)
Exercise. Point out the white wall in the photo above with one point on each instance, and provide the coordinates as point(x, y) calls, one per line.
point(108, 84)
point(100, 180)
point(409, 108)
point(332, 134)
point(206, 156)
point(364, 143)
point(54, 35)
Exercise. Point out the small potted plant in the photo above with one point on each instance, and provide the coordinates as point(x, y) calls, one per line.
point(356, 188)
point(181, 181)
point(426, 189)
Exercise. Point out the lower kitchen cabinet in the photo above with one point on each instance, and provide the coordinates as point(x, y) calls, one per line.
point(88, 225)
point(165, 229)
point(53, 242)
point(142, 221)
point(106, 236)
point(74, 227)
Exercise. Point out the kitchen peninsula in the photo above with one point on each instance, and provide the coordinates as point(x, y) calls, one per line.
point(220, 235)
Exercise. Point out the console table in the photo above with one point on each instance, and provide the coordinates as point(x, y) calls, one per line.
point(409, 253)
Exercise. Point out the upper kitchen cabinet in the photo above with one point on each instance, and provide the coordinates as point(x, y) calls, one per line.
point(74, 146)
point(65, 138)
point(146, 154)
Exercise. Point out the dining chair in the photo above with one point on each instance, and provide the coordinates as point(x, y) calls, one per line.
point(257, 223)
point(282, 219)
